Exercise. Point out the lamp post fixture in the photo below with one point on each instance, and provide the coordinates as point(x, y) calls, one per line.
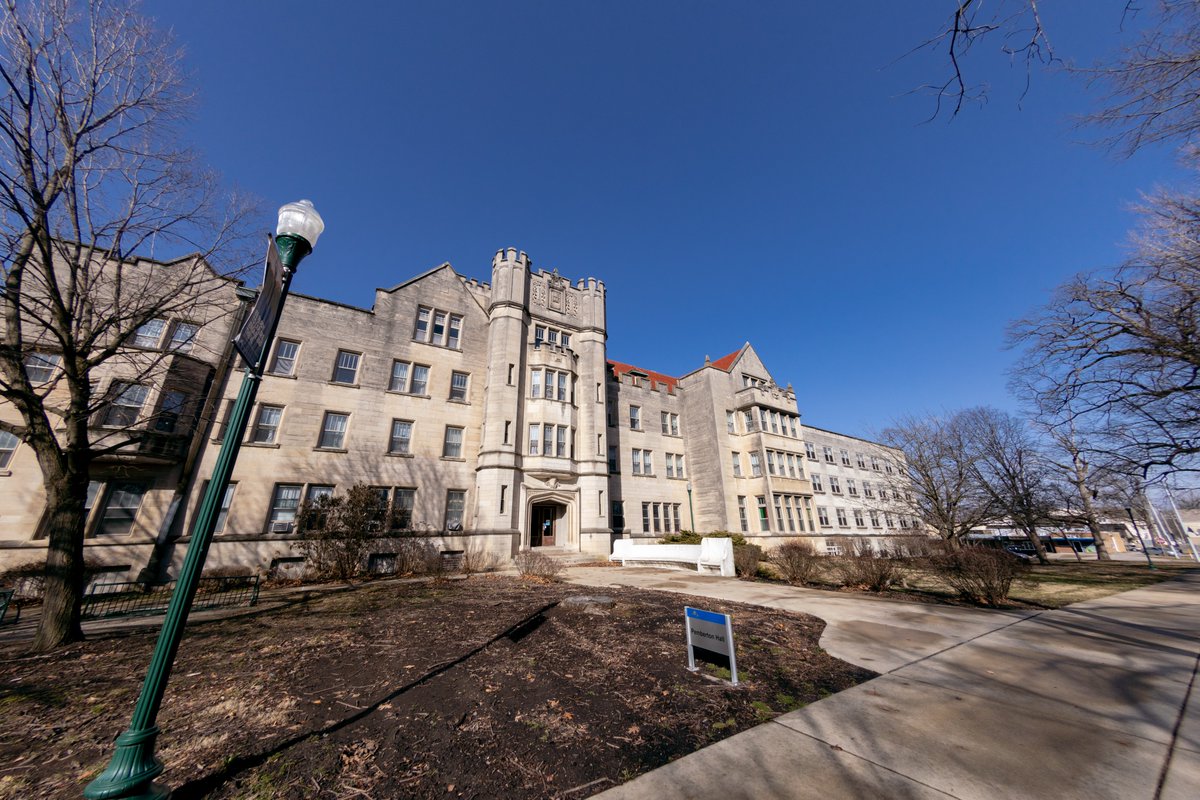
point(131, 772)
point(691, 511)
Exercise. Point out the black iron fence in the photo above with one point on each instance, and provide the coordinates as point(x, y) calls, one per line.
point(130, 598)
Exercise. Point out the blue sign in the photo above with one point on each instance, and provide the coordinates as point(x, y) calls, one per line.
point(710, 635)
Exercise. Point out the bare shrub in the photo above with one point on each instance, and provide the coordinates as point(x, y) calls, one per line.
point(417, 556)
point(337, 531)
point(798, 562)
point(980, 574)
point(864, 567)
point(477, 558)
point(531, 564)
point(746, 558)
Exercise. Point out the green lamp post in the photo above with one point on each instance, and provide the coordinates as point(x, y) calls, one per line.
point(691, 511)
point(131, 772)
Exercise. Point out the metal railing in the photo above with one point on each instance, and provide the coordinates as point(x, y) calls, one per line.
point(131, 598)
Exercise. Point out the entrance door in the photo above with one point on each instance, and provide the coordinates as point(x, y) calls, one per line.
point(543, 521)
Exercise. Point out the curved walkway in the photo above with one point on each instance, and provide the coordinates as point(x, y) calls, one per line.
point(1096, 700)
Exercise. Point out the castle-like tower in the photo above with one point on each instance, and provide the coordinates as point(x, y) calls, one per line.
point(542, 475)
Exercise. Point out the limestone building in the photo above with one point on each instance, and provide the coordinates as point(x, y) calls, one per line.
point(487, 415)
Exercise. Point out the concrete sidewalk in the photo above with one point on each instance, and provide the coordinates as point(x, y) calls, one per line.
point(1093, 701)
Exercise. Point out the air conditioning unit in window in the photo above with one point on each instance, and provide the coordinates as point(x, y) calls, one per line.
point(281, 527)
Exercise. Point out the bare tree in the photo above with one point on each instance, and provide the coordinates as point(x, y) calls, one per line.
point(1116, 355)
point(936, 481)
point(1013, 471)
point(91, 174)
point(1149, 89)
point(1068, 455)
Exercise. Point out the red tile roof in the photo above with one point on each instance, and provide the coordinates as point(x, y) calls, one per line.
point(659, 378)
point(726, 362)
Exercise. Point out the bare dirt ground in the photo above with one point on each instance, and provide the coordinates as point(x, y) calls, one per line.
point(479, 688)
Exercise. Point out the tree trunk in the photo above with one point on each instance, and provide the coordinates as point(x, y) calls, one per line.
point(1089, 510)
point(1030, 532)
point(63, 586)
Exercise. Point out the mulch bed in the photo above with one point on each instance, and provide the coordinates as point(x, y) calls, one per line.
point(452, 689)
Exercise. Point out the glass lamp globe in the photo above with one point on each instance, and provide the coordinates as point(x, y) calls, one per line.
point(300, 219)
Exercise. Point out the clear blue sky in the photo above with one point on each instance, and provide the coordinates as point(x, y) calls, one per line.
point(732, 171)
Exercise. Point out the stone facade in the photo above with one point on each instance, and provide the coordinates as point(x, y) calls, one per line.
point(487, 416)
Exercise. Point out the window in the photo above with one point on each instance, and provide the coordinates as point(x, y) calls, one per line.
point(845, 457)
point(749, 419)
point(561, 452)
point(400, 441)
point(446, 329)
point(399, 379)
point(779, 511)
point(266, 425)
point(149, 334)
point(841, 518)
point(284, 362)
point(614, 465)
point(539, 334)
point(452, 444)
point(763, 419)
point(420, 379)
point(507, 430)
point(458, 386)
point(402, 508)
point(675, 516)
point(867, 490)
point(183, 336)
point(810, 451)
point(737, 465)
point(618, 514)
point(742, 515)
point(120, 508)
point(791, 459)
point(548, 440)
point(816, 482)
point(314, 499)
point(657, 522)
point(828, 451)
point(535, 384)
point(126, 404)
point(8, 446)
point(787, 506)
point(851, 489)
point(535, 436)
point(775, 424)
point(642, 462)
point(834, 485)
point(858, 518)
point(284, 504)
point(862, 461)
point(456, 501)
point(755, 466)
point(345, 369)
point(670, 424)
point(874, 518)
point(39, 367)
point(226, 502)
point(730, 422)
point(666, 423)
point(170, 409)
point(770, 462)
point(823, 516)
point(635, 418)
point(562, 386)
point(333, 430)
point(645, 517)
point(792, 421)
point(875, 463)
point(674, 465)
point(763, 520)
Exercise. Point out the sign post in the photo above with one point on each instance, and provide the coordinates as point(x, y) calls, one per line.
point(710, 636)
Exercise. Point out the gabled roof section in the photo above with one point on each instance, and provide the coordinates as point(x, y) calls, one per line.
point(619, 369)
point(725, 363)
point(443, 266)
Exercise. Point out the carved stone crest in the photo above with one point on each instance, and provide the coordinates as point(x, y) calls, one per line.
point(539, 293)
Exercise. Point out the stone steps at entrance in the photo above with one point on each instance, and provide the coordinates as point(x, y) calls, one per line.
point(568, 556)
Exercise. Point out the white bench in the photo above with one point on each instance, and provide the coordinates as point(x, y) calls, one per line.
point(713, 556)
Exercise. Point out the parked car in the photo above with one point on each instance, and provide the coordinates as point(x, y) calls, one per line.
point(1021, 554)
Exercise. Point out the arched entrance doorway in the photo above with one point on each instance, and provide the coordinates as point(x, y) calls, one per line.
point(547, 524)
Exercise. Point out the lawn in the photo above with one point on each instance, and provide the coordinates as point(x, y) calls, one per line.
point(1052, 585)
point(484, 687)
